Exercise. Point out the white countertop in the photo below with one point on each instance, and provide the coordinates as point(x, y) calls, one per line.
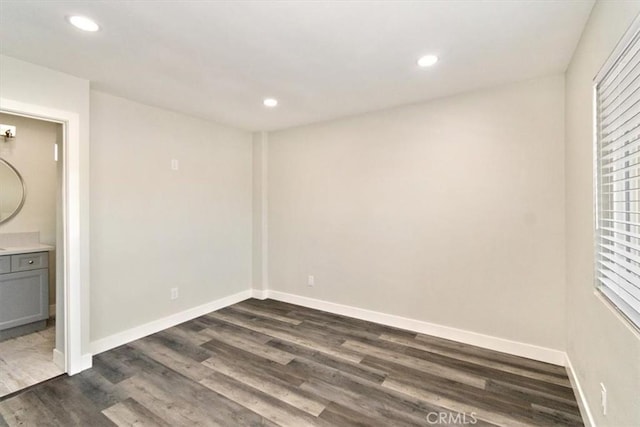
point(13, 250)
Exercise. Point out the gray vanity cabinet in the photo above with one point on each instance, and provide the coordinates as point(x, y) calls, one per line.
point(24, 293)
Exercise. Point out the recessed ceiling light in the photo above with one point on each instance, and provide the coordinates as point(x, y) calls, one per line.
point(83, 23)
point(427, 60)
point(270, 102)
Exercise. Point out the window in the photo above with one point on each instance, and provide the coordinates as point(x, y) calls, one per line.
point(617, 168)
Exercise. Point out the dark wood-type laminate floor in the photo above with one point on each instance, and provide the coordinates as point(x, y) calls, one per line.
point(271, 363)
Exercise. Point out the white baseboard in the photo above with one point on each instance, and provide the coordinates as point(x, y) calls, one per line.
point(530, 351)
point(141, 331)
point(58, 359)
point(86, 362)
point(585, 411)
point(516, 348)
point(259, 293)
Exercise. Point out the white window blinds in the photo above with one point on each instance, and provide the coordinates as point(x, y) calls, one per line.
point(617, 96)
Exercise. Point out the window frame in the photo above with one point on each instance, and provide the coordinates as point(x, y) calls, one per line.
point(630, 314)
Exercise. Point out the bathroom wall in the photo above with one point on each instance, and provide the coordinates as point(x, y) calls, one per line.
point(31, 153)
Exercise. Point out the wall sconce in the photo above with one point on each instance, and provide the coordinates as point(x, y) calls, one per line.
point(8, 132)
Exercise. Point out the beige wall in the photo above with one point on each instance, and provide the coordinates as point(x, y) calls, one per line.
point(154, 228)
point(450, 212)
point(602, 346)
point(31, 153)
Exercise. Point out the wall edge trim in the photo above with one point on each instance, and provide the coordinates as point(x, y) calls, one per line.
point(59, 359)
point(260, 294)
point(530, 351)
point(132, 334)
point(581, 397)
point(516, 348)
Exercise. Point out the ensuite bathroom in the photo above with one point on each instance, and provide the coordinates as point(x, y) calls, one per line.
point(31, 264)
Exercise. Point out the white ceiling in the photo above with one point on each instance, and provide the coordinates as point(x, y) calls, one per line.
point(321, 59)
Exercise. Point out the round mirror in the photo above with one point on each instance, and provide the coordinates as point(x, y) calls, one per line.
point(12, 191)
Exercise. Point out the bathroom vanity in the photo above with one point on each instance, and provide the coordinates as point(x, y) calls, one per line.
point(24, 289)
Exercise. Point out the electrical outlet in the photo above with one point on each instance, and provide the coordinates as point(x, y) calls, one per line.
point(603, 398)
point(174, 293)
point(174, 164)
point(311, 281)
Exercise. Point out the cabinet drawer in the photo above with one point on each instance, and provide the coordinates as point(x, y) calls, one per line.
point(5, 264)
point(33, 261)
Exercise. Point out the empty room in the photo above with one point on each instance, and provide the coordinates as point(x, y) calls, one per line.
point(320, 213)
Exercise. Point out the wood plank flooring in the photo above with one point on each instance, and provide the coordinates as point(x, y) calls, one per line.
point(271, 363)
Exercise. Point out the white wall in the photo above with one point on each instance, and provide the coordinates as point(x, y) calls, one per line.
point(31, 153)
point(449, 212)
point(601, 345)
point(154, 228)
point(28, 83)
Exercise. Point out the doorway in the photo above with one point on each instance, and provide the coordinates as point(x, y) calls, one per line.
point(71, 335)
point(31, 252)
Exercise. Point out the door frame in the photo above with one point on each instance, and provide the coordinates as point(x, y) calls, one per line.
point(72, 358)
